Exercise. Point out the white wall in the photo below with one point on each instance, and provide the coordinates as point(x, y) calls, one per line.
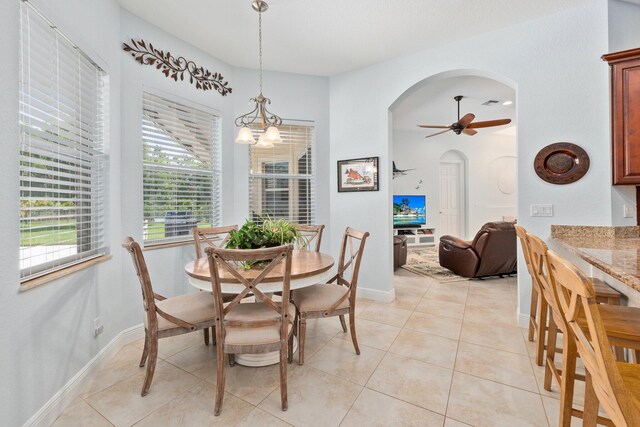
point(624, 33)
point(46, 334)
point(484, 200)
point(554, 65)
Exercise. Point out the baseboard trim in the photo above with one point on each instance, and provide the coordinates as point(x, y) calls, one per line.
point(72, 389)
point(376, 295)
point(523, 321)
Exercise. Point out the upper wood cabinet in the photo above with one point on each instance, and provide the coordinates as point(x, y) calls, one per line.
point(625, 115)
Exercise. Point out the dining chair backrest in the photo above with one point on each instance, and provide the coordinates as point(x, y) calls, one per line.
point(577, 298)
point(311, 236)
point(353, 241)
point(140, 265)
point(228, 260)
point(211, 236)
point(538, 250)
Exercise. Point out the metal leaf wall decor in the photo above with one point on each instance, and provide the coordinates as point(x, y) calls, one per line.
point(176, 68)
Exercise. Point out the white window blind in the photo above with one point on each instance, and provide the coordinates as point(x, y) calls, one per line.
point(181, 147)
point(62, 149)
point(282, 178)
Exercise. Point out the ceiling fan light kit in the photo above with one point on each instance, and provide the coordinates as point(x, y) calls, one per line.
point(268, 121)
point(465, 124)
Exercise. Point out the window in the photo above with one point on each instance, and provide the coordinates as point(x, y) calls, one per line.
point(181, 155)
point(282, 178)
point(62, 150)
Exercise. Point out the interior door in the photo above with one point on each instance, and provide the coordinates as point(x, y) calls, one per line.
point(450, 197)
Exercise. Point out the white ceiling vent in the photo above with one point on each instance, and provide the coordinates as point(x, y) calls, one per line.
point(490, 102)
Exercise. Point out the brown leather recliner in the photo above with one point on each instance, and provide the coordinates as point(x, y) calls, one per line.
point(491, 253)
point(399, 251)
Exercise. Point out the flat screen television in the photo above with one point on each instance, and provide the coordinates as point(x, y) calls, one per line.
point(409, 211)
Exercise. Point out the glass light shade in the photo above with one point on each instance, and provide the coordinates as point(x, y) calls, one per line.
point(245, 136)
point(273, 135)
point(264, 142)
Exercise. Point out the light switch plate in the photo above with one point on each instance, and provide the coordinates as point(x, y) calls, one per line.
point(628, 211)
point(541, 210)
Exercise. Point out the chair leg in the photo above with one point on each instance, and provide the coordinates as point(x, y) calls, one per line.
point(303, 333)
point(151, 363)
point(232, 359)
point(206, 336)
point(543, 311)
point(145, 351)
point(591, 403)
point(532, 312)
point(343, 323)
point(352, 326)
point(552, 340)
point(283, 375)
point(569, 356)
point(219, 379)
point(290, 349)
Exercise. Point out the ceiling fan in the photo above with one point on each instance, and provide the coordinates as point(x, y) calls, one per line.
point(465, 124)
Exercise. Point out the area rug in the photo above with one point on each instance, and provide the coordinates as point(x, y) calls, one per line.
point(424, 262)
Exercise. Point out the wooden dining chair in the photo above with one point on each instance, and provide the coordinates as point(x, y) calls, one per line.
point(333, 299)
point(614, 385)
point(254, 327)
point(309, 234)
point(166, 317)
point(215, 237)
point(539, 307)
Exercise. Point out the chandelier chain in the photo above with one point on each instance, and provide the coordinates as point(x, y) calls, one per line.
point(260, 45)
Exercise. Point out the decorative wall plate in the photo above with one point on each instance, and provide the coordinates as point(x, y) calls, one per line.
point(561, 163)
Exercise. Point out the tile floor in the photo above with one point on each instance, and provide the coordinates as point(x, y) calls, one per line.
point(446, 354)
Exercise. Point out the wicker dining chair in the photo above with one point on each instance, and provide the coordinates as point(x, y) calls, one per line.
point(166, 317)
point(613, 385)
point(333, 299)
point(216, 237)
point(252, 327)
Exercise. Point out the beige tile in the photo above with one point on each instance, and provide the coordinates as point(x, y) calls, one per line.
point(578, 388)
point(481, 402)
point(122, 404)
point(361, 305)
point(340, 359)
point(552, 409)
point(376, 409)
point(315, 399)
point(250, 384)
point(373, 334)
point(199, 360)
point(452, 292)
point(258, 417)
point(195, 408)
point(123, 365)
point(413, 381)
point(440, 308)
point(496, 365)
point(493, 336)
point(80, 414)
point(325, 326)
point(450, 422)
point(386, 314)
point(407, 297)
point(314, 343)
point(426, 348)
point(504, 316)
point(446, 327)
point(167, 347)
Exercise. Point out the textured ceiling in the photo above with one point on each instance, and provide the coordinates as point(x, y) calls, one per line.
point(329, 37)
point(433, 104)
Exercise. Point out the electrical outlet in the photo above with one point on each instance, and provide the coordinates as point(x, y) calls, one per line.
point(98, 328)
point(541, 210)
point(628, 211)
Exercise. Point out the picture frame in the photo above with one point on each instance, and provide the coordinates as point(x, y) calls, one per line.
point(355, 175)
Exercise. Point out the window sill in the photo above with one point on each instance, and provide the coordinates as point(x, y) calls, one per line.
point(154, 246)
point(54, 275)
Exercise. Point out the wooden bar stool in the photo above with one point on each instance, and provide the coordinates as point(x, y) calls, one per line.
point(614, 385)
point(621, 323)
point(539, 308)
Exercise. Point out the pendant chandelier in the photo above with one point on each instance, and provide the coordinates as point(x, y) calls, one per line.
point(270, 134)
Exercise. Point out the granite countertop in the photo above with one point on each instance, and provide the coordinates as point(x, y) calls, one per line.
point(614, 250)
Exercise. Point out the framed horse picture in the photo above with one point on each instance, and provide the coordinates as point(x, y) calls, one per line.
point(358, 175)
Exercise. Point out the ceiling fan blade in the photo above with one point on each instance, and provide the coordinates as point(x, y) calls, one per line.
point(469, 131)
point(434, 127)
point(438, 133)
point(466, 119)
point(490, 123)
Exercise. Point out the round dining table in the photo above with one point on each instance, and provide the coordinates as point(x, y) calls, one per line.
point(307, 268)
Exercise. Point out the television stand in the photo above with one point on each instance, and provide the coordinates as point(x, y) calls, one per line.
point(424, 236)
